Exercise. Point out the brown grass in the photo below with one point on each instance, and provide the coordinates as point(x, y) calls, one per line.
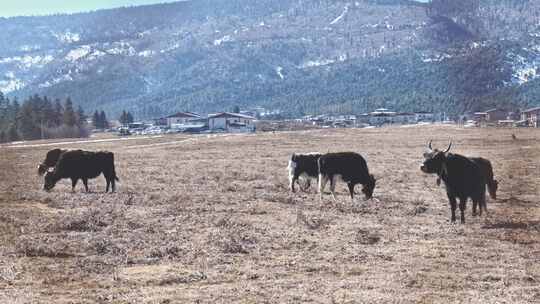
point(210, 220)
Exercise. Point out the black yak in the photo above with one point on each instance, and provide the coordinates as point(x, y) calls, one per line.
point(462, 177)
point(351, 167)
point(79, 164)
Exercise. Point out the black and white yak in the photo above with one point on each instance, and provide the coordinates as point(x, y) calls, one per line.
point(305, 166)
point(79, 164)
point(462, 177)
point(351, 167)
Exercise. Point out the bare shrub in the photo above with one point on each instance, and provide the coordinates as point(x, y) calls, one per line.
point(92, 219)
point(312, 222)
point(367, 237)
point(44, 247)
point(8, 272)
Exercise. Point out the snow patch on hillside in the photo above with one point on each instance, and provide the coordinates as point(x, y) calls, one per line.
point(279, 71)
point(225, 38)
point(28, 61)
point(29, 48)
point(11, 84)
point(170, 48)
point(78, 53)
point(57, 80)
point(526, 66)
point(122, 48)
point(316, 63)
point(67, 37)
point(435, 57)
point(345, 11)
point(525, 74)
point(323, 62)
point(146, 53)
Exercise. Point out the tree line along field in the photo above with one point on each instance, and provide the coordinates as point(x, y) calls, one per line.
point(210, 219)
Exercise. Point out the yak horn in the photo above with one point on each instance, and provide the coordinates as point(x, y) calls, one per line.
point(449, 146)
point(429, 145)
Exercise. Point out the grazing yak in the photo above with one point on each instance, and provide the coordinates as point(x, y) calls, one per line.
point(50, 160)
point(352, 169)
point(79, 164)
point(303, 165)
point(463, 178)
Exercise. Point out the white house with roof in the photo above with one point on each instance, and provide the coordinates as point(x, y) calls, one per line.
point(231, 122)
point(182, 118)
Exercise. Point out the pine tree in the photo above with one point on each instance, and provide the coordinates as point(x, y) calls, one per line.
point(123, 118)
point(3, 111)
point(15, 109)
point(58, 113)
point(69, 114)
point(103, 120)
point(96, 120)
point(13, 134)
point(130, 118)
point(81, 117)
point(27, 121)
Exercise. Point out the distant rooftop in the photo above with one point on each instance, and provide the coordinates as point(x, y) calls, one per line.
point(185, 115)
point(230, 115)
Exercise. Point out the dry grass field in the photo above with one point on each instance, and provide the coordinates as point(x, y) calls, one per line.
point(210, 220)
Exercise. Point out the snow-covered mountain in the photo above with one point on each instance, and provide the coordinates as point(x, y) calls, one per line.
point(295, 55)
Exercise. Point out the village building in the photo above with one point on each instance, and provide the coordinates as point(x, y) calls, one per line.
point(494, 115)
point(405, 118)
point(424, 116)
point(182, 118)
point(231, 122)
point(480, 117)
point(531, 117)
point(381, 116)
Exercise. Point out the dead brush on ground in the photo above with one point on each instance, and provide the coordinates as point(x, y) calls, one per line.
point(212, 220)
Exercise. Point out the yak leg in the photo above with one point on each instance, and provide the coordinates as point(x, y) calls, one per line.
point(307, 184)
point(482, 203)
point(351, 190)
point(112, 184)
point(85, 182)
point(323, 179)
point(462, 205)
point(73, 183)
point(474, 205)
point(292, 180)
point(453, 206)
point(333, 187)
point(108, 183)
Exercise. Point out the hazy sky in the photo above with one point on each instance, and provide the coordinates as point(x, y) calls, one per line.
point(10, 8)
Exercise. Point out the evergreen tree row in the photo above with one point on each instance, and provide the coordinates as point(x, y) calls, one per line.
point(99, 120)
point(40, 118)
point(126, 118)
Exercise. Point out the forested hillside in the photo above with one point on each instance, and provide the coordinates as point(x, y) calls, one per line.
point(297, 56)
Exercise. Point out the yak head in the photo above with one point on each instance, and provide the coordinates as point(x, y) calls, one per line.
point(369, 186)
point(50, 160)
point(42, 168)
point(434, 160)
point(50, 180)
